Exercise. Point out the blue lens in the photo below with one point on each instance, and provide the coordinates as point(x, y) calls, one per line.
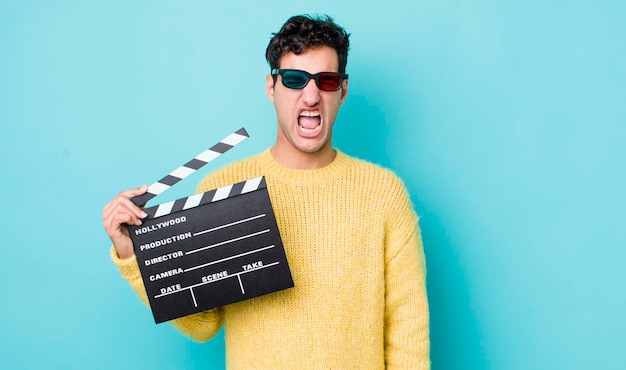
point(295, 79)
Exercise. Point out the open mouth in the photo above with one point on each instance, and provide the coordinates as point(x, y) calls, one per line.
point(310, 123)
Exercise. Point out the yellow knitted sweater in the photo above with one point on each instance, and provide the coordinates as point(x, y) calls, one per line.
point(354, 249)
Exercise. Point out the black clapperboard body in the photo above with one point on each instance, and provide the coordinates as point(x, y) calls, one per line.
point(210, 249)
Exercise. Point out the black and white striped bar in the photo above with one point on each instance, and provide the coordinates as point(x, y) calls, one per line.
point(192, 166)
point(208, 197)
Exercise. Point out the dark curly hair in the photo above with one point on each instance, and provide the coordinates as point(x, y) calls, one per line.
point(302, 32)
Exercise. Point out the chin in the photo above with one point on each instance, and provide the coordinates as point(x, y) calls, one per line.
point(311, 148)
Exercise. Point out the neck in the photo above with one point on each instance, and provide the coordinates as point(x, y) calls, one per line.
point(297, 160)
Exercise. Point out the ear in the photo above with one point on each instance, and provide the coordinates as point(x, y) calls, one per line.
point(269, 87)
point(344, 91)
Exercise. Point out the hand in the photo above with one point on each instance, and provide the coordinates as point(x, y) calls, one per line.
point(119, 212)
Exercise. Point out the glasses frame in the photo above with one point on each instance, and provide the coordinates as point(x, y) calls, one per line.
point(342, 77)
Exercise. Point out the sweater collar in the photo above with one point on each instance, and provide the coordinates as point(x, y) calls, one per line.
point(275, 171)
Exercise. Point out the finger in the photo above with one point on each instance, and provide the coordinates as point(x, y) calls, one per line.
point(123, 211)
point(121, 203)
point(125, 205)
point(126, 194)
point(114, 229)
point(134, 192)
point(115, 225)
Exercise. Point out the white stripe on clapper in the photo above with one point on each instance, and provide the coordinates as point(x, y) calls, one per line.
point(182, 172)
point(207, 156)
point(164, 209)
point(222, 193)
point(157, 188)
point(251, 185)
point(234, 139)
point(193, 201)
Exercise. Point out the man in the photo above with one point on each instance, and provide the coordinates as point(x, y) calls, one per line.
point(349, 231)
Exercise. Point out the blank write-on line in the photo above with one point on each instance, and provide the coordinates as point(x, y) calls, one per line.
point(229, 224)
point(229, 258)
point(227, 241)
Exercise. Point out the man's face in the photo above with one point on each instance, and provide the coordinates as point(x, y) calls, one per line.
point(306, 116)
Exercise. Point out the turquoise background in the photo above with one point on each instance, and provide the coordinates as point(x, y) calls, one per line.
point(506, 120)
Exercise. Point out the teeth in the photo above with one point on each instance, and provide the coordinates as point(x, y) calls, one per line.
point(310, 114)
point(310, 131)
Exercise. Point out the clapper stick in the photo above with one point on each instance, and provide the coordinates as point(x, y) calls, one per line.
point(192, 166)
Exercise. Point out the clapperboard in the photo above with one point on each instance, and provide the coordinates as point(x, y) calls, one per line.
point(210, 249)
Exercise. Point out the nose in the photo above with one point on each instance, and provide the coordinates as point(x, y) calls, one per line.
point(311, 93)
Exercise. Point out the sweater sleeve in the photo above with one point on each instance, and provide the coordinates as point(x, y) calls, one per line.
point(407, 343)
point(200, 327)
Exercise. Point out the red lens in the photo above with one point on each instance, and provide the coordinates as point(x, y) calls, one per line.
point(329, 81)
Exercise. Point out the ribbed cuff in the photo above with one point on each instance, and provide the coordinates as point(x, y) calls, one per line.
point(128, 267)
